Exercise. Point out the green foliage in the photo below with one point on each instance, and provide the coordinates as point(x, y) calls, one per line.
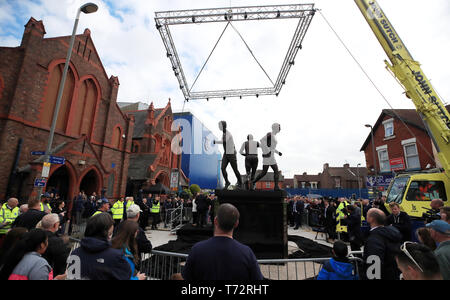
point(195, 189)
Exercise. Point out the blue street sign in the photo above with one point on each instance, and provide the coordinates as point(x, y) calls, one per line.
point(57, 160)
point(37, 152)
point(40, 182)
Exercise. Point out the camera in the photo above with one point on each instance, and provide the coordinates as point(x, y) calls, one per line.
point(431, 215)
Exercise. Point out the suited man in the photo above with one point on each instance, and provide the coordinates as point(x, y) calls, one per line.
point(329, 220)
point(298, 208)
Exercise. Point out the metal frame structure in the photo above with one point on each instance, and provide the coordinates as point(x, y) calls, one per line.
point(165, 19)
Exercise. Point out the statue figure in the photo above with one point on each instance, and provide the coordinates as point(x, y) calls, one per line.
point(268, 146)
point(229, 155)
point(249, 149)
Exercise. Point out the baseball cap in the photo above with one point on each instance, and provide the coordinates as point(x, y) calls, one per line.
point(46, 195)
point(102, 200)
point(440, 226)
point(133, 210)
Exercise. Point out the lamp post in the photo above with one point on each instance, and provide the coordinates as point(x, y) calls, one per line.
point(87, 9)
point(359, 182)
point(373, 149)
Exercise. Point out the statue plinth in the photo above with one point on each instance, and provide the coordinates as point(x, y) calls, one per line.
point(262, 222)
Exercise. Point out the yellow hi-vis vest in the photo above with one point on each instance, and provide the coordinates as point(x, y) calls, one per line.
point(7, 215)
point(96, 213)
point(155, 208)
point(47, 205)
point(117, 210)
point(340, 216)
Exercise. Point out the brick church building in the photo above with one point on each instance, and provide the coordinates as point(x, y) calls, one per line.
point(152, 161)
point(92, 133)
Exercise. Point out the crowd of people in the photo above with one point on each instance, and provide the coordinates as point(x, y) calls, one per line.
point(370, 227)
point(34, 241)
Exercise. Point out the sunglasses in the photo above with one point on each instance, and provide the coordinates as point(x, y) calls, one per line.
point(405, 250)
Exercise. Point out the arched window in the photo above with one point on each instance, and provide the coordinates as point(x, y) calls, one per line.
point(51, 95)
point(83, 117)
point(117, 135)
point(135, 147)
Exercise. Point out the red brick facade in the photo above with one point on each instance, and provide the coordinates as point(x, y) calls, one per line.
point(96, 155)
point(395, 144)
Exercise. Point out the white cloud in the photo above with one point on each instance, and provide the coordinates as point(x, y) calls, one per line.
point(327, 99)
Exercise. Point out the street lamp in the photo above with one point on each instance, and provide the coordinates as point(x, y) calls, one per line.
point(359, 183)
point(87, 9)
point(373, 149)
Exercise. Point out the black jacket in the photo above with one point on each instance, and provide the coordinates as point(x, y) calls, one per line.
point(202, 202)
point(383, 242)
point(402, 223)
point(56, 253)
point(329, 216)
point(29, 219)
point(101, 262)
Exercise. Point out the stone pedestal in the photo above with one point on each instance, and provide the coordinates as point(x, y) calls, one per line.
point(262, 222)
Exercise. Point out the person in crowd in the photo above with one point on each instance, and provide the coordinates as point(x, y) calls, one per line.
point(440, 233)
point(445, 213)
point(212, 208)
point(424, 237)
point(221, 257)
point(23, 209)
point(155, 210)
point(380, 204)
point(194, 213)
point(400, 220)
point(127, 203)
point(298, 209)
point(202, 208)
point(290, 210)
point(98, 260)
point(60, 210)
point(339, 267)
point(329, 221)
point(117, 211)
point(383, 242)
point(417, 262)
point(143, 244)
point(78, 207)
point(57, 250)
point(102, 206)
point(436, 205)
point(45, 203)
point(144, 214)
point(12, 237)
point(125, 241)
point(353, 222)
point(8, 214)
point(341, 211)
point(32, 216)
point(365, 207)
point(90, 206)
point(25, 261)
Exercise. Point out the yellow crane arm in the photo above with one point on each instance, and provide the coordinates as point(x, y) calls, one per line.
point(417, 86)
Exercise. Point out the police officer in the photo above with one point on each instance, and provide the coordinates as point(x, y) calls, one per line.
point(341, 212)
point(117, 211)
point(102, 206)
point(154, 210)
point(8, 214)
point(45, 203)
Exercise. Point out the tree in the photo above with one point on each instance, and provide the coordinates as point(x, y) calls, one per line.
point(195, 189)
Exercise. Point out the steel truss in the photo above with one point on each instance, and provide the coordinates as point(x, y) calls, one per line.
point(303, 12)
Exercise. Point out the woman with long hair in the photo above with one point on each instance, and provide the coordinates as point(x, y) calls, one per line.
point(125, 240)
point(25, 261)
point(424, 237)
point(13, 236)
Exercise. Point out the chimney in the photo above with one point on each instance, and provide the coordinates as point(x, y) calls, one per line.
point(347, 166)
point(150, 114)
point(326, 166)
point(34, 31)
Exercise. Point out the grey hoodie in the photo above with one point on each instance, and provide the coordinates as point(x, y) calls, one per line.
point(32, 267)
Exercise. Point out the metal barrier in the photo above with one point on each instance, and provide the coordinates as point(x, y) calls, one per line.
point(161, 265)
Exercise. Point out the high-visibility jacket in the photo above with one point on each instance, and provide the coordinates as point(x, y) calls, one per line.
point(46, 207)
point(155, 208)
point(7, 215)
point(96, 213)
point(117, 210)
point(340, 216)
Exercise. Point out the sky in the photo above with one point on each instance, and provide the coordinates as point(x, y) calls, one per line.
point(326, 101)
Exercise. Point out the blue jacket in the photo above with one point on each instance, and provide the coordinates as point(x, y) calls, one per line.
point(100, 261)
point(129, 258)
point(336, 270)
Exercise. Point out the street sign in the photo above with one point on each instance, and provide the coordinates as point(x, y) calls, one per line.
point(57, 160)
point(46, 169)
point(37, 152)
point(381, 180)
point(40, 182)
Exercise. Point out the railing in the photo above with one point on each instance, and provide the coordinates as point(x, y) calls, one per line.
point(174, 218)
point(161, 265)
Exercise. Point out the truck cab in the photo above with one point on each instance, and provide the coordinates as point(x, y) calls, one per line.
point(414, 192)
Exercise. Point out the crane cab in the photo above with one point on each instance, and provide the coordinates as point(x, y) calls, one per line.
point(414, 192)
